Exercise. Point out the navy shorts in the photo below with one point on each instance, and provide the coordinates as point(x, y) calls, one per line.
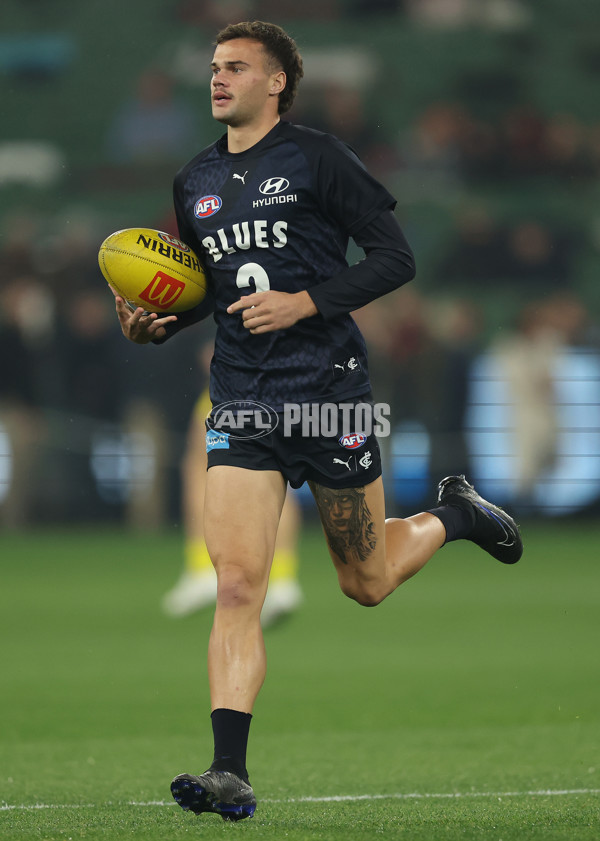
point(335, 453)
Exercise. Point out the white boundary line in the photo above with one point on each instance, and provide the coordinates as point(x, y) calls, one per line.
point(438, 796)
point(341, 798)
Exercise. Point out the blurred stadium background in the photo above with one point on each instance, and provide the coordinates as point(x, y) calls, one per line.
point(481, 116)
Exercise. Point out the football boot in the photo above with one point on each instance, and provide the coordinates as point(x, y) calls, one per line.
point(220, 792)
point(494, 530)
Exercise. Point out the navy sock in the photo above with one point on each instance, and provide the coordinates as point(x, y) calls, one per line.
point(458, 521)
point(230, 731)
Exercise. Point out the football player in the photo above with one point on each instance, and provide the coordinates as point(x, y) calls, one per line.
point(196, 587)
point(270, 208)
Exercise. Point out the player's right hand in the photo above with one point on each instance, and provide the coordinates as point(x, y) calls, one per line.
point(138, 325)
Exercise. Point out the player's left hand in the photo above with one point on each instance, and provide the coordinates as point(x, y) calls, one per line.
point(263, 312)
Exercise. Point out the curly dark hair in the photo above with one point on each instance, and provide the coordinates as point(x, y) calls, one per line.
point(281, 49)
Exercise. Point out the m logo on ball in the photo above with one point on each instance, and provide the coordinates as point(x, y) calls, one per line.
point(163, 290)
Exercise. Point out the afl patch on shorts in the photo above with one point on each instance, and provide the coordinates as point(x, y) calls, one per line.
point(334, 454)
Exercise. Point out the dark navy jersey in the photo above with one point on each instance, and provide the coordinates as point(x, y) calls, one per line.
point(279, 216)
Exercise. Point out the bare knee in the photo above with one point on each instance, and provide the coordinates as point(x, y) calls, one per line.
point(238, 586)
point(365, 593)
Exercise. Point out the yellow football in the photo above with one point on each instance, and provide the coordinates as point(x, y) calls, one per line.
point(153, 270)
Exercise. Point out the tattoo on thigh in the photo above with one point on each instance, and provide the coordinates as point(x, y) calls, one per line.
point(347, 522)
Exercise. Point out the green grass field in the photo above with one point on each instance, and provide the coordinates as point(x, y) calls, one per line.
point(465, 707)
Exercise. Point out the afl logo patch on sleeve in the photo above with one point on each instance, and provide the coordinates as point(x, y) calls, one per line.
point(207, 206)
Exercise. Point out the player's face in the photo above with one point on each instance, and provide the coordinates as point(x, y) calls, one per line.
point(241, 86)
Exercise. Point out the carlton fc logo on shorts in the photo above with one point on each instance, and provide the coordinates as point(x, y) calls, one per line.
point(207, 206)
point(216, 440)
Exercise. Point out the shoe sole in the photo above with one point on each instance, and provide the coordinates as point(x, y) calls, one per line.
point(192, 797)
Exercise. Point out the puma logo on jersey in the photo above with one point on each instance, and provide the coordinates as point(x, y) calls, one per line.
point(241, 178)
point(245, 235)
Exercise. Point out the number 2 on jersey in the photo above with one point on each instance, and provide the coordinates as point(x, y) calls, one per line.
point(252, 272)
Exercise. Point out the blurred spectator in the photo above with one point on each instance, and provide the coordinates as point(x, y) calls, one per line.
point(481, 150)
point(431, 369)
point(478, 251)
point(66, 255)
point(17, 360)
point(90, 395)
point(370, 8)
point(376, 322)
point(19, 233)
point(496, 14)
point(23, 329)
point(523, 137)
point(528, 253)
point(566, 148)
point(154, 126)
point(214, 14)
point(448, 144)
point(457, 326)
point(89, 357)
point(570, 319)
point(538, 257)
point(440, 13)
point(593, 147)
point(432, 148)
point(340, 109)
point(527, 361)
point(157, 388)
point(344, 112)
point(310, 10)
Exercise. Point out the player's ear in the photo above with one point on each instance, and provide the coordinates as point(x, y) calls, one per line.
point(278, 83)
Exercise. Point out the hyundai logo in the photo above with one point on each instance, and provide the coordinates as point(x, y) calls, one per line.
point(272, 186)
